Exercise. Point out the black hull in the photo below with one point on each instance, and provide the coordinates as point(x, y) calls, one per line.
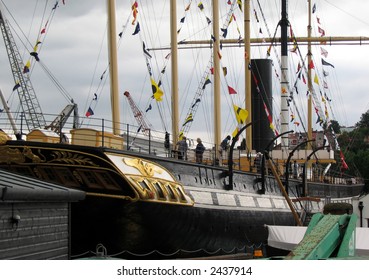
point(190, 212)
point(148, 230)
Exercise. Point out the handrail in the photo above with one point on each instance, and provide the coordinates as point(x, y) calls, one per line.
point(135, 143)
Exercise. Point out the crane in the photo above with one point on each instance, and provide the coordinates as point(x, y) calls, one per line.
point(27, 96)
point(28, 99)
point(144, 126)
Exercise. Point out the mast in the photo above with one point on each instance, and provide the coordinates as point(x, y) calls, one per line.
point(310, 102)
point(174, 60)
point(216, 66)
point(248, 74)
point(113, 66)
point(284, 78)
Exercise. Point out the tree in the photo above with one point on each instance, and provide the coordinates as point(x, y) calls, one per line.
point(355, 146)
point(336, 126)
point(364, 121)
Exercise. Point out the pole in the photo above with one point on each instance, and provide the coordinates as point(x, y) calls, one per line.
point(216, 66)
point(17, 133)
point(248, 73)
point(289, 202)
point(310, 86)
point(284, 78)
point(174, 69)
point(113, 66)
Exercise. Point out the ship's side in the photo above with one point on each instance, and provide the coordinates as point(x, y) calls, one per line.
point(138, 205)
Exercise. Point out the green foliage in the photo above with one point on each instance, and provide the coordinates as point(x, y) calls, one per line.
point(364, 121)
point(335, 126)
point(355, 145)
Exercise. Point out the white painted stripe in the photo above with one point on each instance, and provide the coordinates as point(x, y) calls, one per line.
point(264, 202)
point(246, 201)
point(202, 197)
point(226, 199)
point(279, 203)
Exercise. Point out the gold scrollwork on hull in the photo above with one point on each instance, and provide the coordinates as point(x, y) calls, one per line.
point(4, 137)
point(71, 158)
point(145, 168)
point(21, 155)
point(155, 190)
point(29, 154)
point(9, 155)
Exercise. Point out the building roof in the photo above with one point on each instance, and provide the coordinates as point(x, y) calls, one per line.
point(15, 187)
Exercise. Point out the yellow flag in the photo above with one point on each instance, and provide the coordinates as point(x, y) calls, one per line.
point(36, 46)
point(241, 114)
point(239, 2)
point(157, 92)
point(180, 135)
point(234, 133)
point(316, 80)
point(188, 119)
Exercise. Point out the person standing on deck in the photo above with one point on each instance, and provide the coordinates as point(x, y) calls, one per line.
point(224, 145)
point(199, 151)
point(295, 169)
point(182, 148)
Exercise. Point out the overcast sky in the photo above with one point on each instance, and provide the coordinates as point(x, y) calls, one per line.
point(76, 37)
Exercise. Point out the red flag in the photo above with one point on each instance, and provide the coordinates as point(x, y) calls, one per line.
point(89, 112)
point(134, 12)
point(344, 165)
point(321, 31)
point(270, 119)
point(44, 29)
point(231, 90)
point(311, 65)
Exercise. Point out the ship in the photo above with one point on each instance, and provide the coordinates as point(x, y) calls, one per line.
point(146, 203)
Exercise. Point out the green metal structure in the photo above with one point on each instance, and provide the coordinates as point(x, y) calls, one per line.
point(327, 236)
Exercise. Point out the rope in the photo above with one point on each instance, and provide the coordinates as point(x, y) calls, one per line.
point(178, 252)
